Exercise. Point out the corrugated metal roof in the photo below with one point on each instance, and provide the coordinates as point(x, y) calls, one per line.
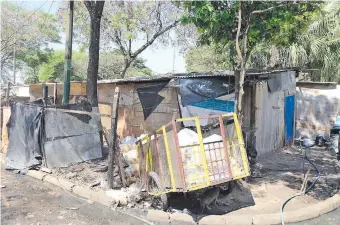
point(169, 76)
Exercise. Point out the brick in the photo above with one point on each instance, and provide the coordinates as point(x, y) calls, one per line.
point(302, 214)
point(238, 220)
point(183, 217)
point(82, 191)
point(216, 220)
point(267, 219)
point(36, 174)
point(158, 215)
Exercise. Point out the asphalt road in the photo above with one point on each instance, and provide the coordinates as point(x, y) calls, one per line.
point(25, 200)
point(332, 218)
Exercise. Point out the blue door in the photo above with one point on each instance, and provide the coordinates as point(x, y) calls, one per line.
point(289, 117)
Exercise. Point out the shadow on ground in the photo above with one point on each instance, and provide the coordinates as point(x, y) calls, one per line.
point(239, 198)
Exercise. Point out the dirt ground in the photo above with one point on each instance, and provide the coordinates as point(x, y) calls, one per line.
point(90, 174)
point(277, 176)
point(285, 167)
point(25, 200)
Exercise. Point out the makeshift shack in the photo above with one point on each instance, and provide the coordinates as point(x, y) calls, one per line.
point(147, 103)
point(318, 104)
point(51, 136)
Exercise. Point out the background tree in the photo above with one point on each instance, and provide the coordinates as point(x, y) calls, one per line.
point(129, 27)
point(109, 66)
point(22, 31)
point(95, 9)
point(242, 25)
point(33, 58)
point(316, 48)
point(206, 58)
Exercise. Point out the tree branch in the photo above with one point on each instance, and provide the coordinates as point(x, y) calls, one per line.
point(237, 44)
point(268, 9)
point(158, 16)
point(89, 5)
point(154, 37)
point(130, 46)
point(117, 40)
point(245, 41)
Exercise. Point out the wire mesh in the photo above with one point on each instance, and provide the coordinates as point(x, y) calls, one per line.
point(204, 163)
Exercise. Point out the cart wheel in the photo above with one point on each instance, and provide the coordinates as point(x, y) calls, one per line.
point(155, 185)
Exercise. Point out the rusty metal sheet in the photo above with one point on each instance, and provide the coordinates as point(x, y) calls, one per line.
point(269, 119)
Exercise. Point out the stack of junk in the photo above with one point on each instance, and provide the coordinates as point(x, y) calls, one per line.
point(215, 156)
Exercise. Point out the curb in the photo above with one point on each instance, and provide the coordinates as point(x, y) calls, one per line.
point(299, 215)
point(85, 192)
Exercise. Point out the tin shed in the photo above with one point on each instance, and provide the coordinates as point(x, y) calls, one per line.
point(269, 102)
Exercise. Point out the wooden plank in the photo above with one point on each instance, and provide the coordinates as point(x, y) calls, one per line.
point(112, 151)
point(105, 109)
point(316, 85)
point(76, 89)
point(4, 135)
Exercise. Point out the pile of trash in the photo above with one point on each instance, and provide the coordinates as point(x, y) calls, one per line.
point(193, 161)
point(215, 156)
point(128, 148)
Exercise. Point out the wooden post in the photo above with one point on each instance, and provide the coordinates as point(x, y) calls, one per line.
point(112, 145)
point(45, 93)
point(55, 92)
point(7, 93)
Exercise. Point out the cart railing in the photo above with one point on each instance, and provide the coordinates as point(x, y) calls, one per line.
point(182, 168)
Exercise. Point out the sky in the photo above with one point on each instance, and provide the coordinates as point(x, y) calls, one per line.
point(160, 60)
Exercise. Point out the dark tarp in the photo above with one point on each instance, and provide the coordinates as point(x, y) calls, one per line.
point(71, 137)
point(65, 151)
point(54, 135)
point(197, 90)
point(150, 98)
point(275, 83)
point(24, 147)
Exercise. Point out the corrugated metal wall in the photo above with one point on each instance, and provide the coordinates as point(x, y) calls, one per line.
point(269, 119)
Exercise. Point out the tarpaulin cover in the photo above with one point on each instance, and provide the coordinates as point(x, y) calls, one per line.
point(24, 148)
point(275, 83)
point(150, 98)
point(198, 90)
point(71, 137)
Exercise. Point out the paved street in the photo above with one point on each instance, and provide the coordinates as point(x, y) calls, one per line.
point(332, 218)
point(26, 200)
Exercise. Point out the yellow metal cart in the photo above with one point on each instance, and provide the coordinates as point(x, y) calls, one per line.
point(166, 166)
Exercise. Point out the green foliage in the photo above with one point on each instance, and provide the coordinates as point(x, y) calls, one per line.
point(32, 58)
point(317, 48)
point(206, 58)
point(25, 32)
point(110, 66)
point(54, 68)
point(269, 22)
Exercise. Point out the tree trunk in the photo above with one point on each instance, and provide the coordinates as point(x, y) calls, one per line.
point(126, 67)
point(239, 91)
point(240, 71)
point(95, 10)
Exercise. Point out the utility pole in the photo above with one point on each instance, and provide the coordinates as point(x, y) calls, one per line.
point(14, 64)
point(68, 55)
